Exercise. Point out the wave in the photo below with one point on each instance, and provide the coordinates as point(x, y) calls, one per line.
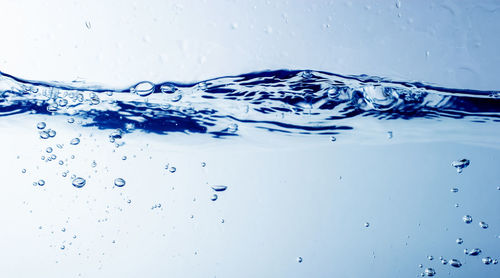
point(289, 101)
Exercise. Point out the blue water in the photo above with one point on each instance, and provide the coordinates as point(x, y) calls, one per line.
point(267, 174)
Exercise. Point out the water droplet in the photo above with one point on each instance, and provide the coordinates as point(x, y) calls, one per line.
point(455, 263)
point(487, 260)
point(299, 259)
point(79, 182)
point(429, 271)
point(475, 252)
point(23, 171)
point(143, 89)
point(454, 190)
point(75, 141)
point(483, 225)
point(467, 219)
point(459, 240)
point(367, 224)
point(460, 164)
point(48, 150)
point(41, 182)
point(219, 188)
point(119, 182)
point(430, 258)
point(41, 125)
point(214, 197)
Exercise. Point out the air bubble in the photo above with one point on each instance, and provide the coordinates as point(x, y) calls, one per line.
point(333, 139)
point(459, 240)
point(367, 224)
point(44, 135)
point(483, 225)
point(219, 188)
point(214, 197)
point(143, 89)
point(119, 182)
point(460, 164)
point(232, 128)
point(299, 259)
point(48, 150)
point(467, 219)
point(41, 125)
point(429, 272)
point(79, 182)
point(41, 182)
point(75, 141)
point(487, 260)
point(475, 252)
point(455, 263)
point(454, 190)
point(430, 258)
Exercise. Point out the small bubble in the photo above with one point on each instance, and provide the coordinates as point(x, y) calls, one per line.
point(455, 263)
point(119, 182)
point(44, 135)
point(59, 146)
point(460, 164)
point(467, 219)
point(429, 272)
point(203, 164)
point(79, 182)
point(75, 141)
point(124, 157)
point(459, 240)
point(41, 182)
point(219, 188)
point(495, 261)
point(483, 225)
point(430, 258)
point(367, 224)
point(63, 230)
point(116, 134)
point(306, 74)
point(23, 171)
point(61, 162)
point(71, 120)
point(443, 261)
point(214, 197)
point(172, 169)
point(94, 164)
point(454, 190)
point(420, 265)
point(129, 201)
point(48, 150)
point(299, 259)
point(333, 139)
point(232, 128)
point(41, 125)
point(475, 252)
point(63, 247)
point(487, 260)
point(143, 89)
point(457, 205)
point(389, 134)
point(52, 133)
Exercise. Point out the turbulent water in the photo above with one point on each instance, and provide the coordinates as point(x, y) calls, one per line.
point(267, 174)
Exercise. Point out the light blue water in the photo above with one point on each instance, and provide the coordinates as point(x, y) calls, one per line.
point(268, 174)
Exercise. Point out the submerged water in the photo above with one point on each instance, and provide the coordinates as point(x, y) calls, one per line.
point(268, 174)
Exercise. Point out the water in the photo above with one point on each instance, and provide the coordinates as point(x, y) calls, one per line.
point(267, 174)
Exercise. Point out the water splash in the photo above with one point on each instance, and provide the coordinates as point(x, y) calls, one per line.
point(297, 102)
